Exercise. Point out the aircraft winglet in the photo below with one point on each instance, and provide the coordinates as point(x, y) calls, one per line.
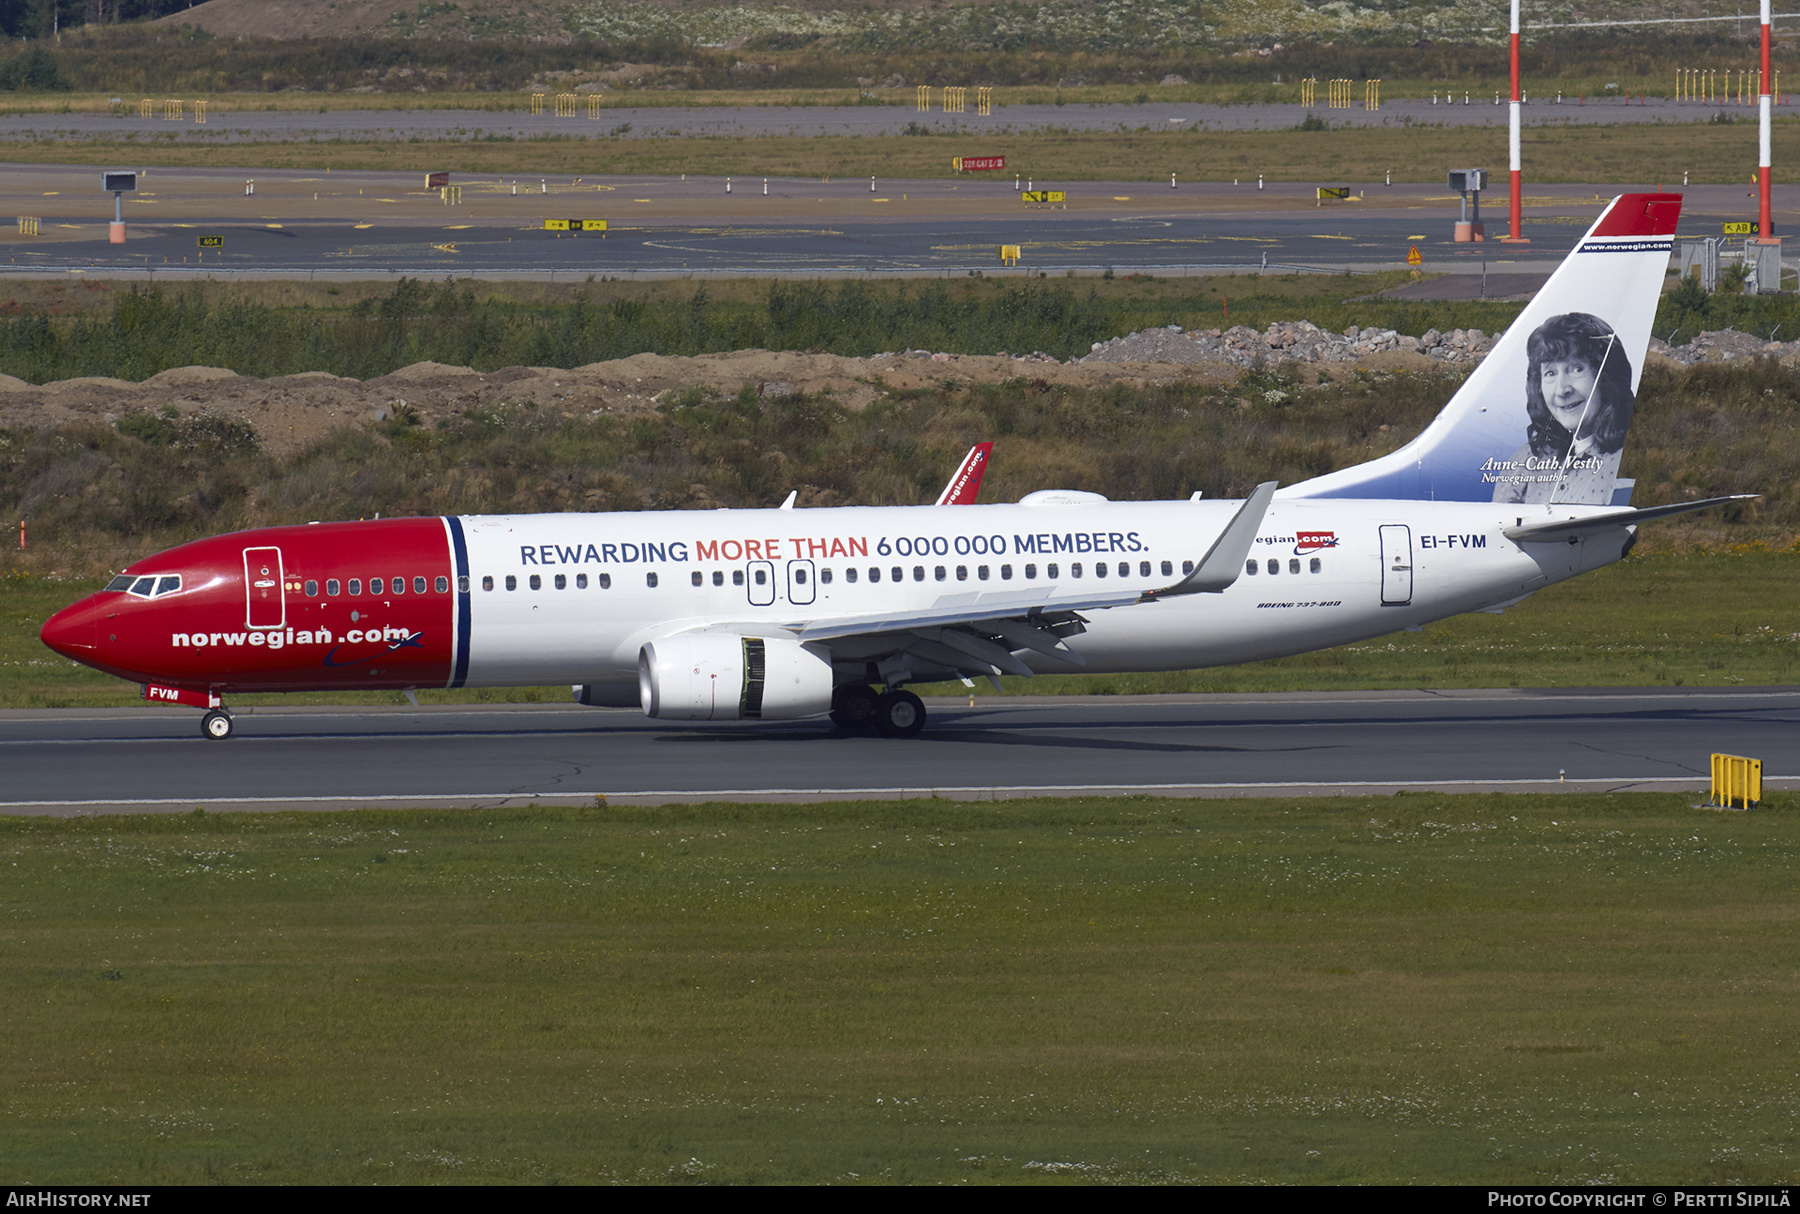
point(1224, 561)
point(966, 483)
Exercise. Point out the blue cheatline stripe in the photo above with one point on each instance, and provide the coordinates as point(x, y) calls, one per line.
point(462, 600)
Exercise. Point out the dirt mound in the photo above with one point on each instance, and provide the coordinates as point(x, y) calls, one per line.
point(176, 377)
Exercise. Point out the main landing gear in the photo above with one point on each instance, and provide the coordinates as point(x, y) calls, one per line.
point(855, 708)
point(216, 724)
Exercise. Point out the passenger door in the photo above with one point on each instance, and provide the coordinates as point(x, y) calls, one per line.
point(265, 600)
point(1396, 565)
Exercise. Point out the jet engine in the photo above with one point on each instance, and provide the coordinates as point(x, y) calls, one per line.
point(714, 676)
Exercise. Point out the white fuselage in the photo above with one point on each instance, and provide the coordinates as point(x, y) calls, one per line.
point(1327, 572)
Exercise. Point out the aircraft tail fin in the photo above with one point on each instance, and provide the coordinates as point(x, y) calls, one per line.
point(1543, 418)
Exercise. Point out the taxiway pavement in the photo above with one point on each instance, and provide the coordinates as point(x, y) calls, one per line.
point(1304, 743)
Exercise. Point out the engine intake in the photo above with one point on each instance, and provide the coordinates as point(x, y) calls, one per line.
point(711, 676)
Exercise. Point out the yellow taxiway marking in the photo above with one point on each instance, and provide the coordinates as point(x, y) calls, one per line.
point(1419, 237)
point(51, 193)
point(641, 200)
point(457, 227)
point(1325, 236)
point(447, 248)
point(360, 226)
point(1121, 198)
point(271, 225)
point(879, 200)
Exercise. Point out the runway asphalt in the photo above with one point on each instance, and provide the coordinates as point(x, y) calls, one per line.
point(362, 225)
point(1300, 744)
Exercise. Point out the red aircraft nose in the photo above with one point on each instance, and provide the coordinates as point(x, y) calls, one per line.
point(71, 631)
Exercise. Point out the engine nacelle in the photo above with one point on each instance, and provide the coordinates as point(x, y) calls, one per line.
point(716, 676)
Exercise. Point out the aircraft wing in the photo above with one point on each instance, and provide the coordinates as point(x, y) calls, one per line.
point(979, 632)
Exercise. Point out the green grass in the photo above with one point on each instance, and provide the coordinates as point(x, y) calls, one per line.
point(1473, 990)
point(1696, 619)
point(1634, 154)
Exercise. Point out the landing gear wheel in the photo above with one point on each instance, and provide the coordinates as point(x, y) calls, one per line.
point(900, 714)
point(854, 708)
point(216, 725)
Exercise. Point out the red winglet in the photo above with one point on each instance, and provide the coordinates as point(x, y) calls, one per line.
point(966, 483)
point(1641, 215)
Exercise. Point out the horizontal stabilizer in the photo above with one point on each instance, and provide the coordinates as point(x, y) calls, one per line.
point(1557, 530)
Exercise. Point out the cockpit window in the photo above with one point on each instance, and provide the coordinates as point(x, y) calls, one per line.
point(149, 586)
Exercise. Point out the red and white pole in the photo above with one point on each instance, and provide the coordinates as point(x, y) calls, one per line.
point(1512, 136)
point(1765, 227)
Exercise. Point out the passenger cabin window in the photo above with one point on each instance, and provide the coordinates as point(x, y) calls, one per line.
point(1274, 566)
point(399, 585)
point(737, 577)
point(718, 577)
point(1294, 564)
point(918, 573)
point(1250, 568)
point(1031, 573)
point(442, 585)
point(312, 588)
point(1099, 568)
point(487, 583)
point(1168, 569)
point(418, 585)
point(537, 583)
point(562, 581)
point(699, 578)
point(650, 580)
point(1315, 566)
point(825, 576)
point(377, 586)
point(1050, 571)
point(1187, 567)
point(331, 587)
point(356, 585)
point(1074, 568)
point(605, 580)
point(581, 581)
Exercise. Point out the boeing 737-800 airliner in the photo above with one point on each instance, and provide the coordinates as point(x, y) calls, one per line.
point(790, 613)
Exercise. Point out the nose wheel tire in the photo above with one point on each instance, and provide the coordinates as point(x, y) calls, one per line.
point(854, 708)
point(900, 714)
point(216, 725)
